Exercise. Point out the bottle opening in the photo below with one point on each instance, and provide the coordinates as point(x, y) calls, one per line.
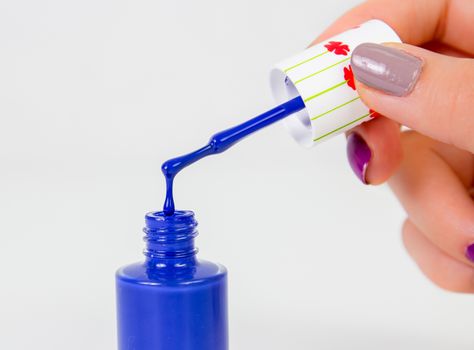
point(170, 238)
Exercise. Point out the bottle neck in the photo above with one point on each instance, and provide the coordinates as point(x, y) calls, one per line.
point(170, 241)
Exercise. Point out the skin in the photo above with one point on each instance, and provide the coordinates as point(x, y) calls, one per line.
point(431, 168)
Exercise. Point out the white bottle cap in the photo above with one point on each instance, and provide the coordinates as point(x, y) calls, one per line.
point(322, 77)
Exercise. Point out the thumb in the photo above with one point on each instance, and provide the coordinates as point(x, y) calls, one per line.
point(428, 92)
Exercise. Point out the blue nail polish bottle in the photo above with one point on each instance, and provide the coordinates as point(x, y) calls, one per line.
point(172, 300)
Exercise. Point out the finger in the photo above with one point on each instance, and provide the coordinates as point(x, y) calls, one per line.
point(429, 92)
point(382, 139)
point(443, 270)
point(444, 49)
point(416, 21)
point(434, 197)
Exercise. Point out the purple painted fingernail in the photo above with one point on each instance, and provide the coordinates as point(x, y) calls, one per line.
point(470, 252)
point(359, 155)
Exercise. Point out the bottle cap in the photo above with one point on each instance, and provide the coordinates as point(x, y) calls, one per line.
point(322, 76)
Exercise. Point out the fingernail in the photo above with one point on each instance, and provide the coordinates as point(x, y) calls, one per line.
point(359, 155)
point(386, 69)
point(470, 252)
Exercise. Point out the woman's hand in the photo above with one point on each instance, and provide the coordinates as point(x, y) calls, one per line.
point(426, 84)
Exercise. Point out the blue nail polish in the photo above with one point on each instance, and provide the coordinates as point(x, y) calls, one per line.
point(172, 300)
point(222, 141)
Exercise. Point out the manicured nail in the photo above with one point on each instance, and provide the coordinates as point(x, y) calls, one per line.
point(470, 252)
point(386, 69)
point(359, 155)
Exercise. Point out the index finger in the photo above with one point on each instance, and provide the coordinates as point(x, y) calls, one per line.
point(417, 22)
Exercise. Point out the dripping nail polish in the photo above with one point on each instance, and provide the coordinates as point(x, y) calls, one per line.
point(172, 300)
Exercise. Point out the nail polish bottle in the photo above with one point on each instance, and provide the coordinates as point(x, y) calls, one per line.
point(172, 300)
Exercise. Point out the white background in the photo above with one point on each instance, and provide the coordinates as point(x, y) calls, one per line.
point(96, 94)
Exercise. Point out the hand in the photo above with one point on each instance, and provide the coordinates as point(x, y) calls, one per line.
point(431, 90)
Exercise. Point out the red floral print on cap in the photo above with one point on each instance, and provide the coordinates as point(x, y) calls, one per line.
point(349, 77)
point(337, 47)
